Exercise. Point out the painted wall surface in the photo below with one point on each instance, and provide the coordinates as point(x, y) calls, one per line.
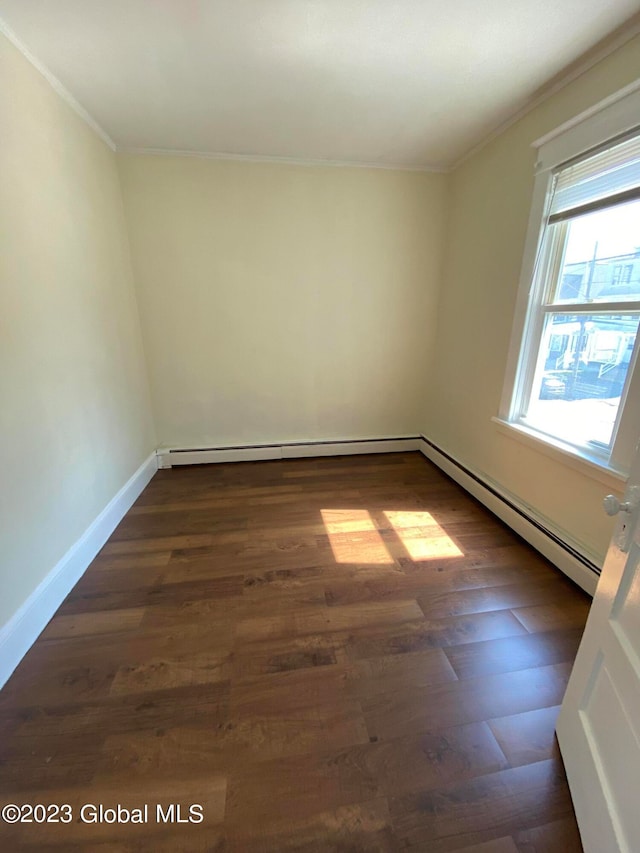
point(74, 413)
point(282, 302)
point(489, 201)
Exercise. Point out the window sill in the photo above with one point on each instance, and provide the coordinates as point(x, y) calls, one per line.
point(573, 457)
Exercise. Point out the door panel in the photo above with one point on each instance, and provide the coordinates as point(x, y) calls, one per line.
point(612, 738)
point(599, 723)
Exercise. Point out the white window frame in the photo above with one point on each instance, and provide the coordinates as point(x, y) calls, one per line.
point(610, 118)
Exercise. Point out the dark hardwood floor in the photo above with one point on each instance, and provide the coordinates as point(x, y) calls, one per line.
point(343, 654)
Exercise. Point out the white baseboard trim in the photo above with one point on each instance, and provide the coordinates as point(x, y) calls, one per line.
point(167, 458)
point(22, 630)
point(549, 540)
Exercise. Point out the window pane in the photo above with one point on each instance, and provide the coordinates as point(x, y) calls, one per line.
point(602, 257)
point(581, 371)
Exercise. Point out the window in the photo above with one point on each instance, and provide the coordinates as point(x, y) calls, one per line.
point(577, 334)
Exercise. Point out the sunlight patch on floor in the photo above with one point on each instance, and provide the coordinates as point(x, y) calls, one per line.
point(354, 537)
point(422, 536)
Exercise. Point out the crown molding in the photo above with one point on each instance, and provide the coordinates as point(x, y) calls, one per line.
point(604, 48)
point(56, 85)
point(290, 161)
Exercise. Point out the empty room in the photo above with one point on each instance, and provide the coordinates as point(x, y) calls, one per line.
point(320, 505)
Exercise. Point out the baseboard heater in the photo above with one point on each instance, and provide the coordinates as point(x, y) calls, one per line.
point(167, 458)
point(573, 562)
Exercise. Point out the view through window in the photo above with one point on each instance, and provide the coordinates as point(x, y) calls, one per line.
point(585, 319)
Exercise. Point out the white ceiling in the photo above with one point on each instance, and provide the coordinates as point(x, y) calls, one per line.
point(414, 83)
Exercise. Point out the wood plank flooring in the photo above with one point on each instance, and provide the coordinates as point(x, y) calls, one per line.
point(341, 654)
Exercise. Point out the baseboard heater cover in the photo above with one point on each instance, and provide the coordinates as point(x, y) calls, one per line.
point(549, 542)
point(169, 457)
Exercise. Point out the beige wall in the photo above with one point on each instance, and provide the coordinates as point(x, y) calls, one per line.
point(489, 197)
point(278, 302)
point(283, 302)
point(74, 412)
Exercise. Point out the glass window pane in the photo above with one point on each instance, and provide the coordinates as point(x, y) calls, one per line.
point(581, 371)
point(602, 256)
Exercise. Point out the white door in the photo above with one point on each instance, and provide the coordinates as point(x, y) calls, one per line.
point(599, 724)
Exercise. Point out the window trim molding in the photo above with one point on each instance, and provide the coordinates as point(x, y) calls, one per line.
point(611, 117)
point(570, 455)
